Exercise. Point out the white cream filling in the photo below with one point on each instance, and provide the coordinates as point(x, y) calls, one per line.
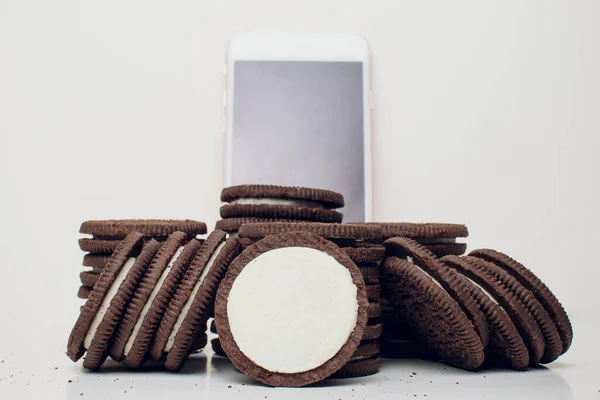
point(488, 294)
point(110, 294)
point(425, 272)
point(146, 309)
point(277, 202)
point(278, 299)
point(188, 304)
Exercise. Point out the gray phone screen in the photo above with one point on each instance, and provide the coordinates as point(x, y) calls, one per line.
point(301, 123)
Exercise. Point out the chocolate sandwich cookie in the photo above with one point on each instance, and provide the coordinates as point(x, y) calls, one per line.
point(373, 331)
point(447, 278)
point(231, 225)
point(280, 212)
point(95, 260)
point(506, 346)
point(358, 368)
point(161, 294)
point(531, 317)
point(84, 292)
point(373, 254)
point(284, 195)
point(537, 287)
point(266, 329)
point(351, 232)
point(368, 270)
point(432, 313)
point(187, 313)
point(217, 349)
point(98, 246)
point(129, 328)
point(88, 278)
point(103, 309)
point(373, 292)
point(438, 238)
point(147, 227)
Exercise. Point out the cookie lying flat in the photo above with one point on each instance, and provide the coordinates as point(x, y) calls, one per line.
point(285, 195)
point(432, 313)
point(358, 368)
point(328, 231)
point(232, 225)
point(84, 292)
point(537, 287)
point(280, 212)
point(102, 311)
point(147, 227)
point(187, 313)
point(438, 238)
point(88, 278)
point(506, 345)
point(268, 331)
point(129, 327)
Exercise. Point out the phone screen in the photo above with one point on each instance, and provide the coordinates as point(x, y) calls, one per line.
point(300, 123)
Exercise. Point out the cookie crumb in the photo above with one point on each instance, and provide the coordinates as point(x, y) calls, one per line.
point(229, 386)
point(81, 394)
point(70, 381)
point(414, 373)
point(457, 383)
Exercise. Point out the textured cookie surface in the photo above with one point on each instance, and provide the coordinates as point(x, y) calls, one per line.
point(435, 317)
point(147, 227)
point(328, 231)
point(328, 198)
point(537, 287)
point(280, 212)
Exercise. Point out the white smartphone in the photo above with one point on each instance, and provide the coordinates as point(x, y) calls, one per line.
point(298, 113)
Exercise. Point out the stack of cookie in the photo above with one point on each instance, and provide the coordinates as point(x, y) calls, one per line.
point(440, 239)
point(356, 242)
point(475, 309)
point(152, 299)
point(270, 203)
point(107, 234)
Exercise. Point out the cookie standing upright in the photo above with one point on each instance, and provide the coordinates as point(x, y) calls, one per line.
point(103, 310)
point(435, 303)
point(107, 234)
point(269, 332)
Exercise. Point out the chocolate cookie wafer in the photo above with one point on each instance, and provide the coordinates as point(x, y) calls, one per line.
point(284, 195)
point(147, 227)
point(542, 293)
point(232, 225)
point(102, 311)
point(136, 308)
point(431, 312)
point(266, 330)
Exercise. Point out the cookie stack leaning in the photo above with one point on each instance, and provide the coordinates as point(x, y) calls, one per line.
point(348, 238)
point(470, 311)
point(152, 300)
point(270, 203)
point(105, 236)
point(292, 309)
point(440, 239)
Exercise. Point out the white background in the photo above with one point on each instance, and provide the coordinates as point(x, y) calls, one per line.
point(486, 113)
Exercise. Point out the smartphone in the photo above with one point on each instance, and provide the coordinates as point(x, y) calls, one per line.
point(298, 113)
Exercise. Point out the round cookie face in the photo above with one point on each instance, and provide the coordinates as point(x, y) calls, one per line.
point(253, 193)
point(99, 299)
point(280, 212)
point(326, 230)
point(147, 227)
point(537, 287)
point(269, 330)
point(435, 317)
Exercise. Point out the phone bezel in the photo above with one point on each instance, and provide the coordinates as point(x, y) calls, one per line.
point(300, 47)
